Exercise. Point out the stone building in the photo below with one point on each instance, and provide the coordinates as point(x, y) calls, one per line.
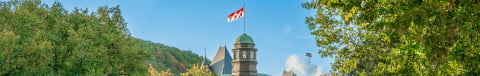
point(244, 57)
point(243, 63)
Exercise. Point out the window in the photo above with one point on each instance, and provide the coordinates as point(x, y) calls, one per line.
point(244, 54)
point(252, 54)
point(238, 54)
point(235, 54)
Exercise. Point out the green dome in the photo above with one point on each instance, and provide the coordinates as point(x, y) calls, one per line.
point(244, 38)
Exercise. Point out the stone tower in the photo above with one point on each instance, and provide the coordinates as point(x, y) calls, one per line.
point(244, 57)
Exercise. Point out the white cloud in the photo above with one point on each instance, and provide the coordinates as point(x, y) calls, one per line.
point(301, 67)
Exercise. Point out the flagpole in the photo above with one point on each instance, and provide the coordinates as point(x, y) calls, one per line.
point(244, 16)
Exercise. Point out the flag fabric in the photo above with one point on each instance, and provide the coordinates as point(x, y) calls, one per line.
point(235, 15)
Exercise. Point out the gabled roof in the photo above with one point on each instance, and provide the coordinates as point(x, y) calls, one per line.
point(222, 63)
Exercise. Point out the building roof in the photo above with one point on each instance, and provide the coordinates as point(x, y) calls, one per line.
point(222, 63)
point(244, 38)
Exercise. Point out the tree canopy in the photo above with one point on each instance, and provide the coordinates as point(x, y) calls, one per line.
point(37, 39)
point(398, 37)
point(170, 58)
point(197, 71)
point(153, 72)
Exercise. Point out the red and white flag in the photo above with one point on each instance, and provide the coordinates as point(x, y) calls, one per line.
point(235, 15)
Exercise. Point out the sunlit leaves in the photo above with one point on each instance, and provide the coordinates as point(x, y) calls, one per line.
point(197, 71)
point(399, 37)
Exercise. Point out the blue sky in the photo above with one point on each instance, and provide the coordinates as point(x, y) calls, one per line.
point(277, 26)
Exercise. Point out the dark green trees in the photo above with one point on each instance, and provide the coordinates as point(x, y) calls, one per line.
point(170, 58)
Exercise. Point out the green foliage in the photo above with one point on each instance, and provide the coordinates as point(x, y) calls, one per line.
point(39, 40)
point(398, 37)
point(197, 71)
point(153, 72)
point(170, 58)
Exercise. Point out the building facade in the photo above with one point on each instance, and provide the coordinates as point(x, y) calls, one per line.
point(244, 57)
point(243, 62)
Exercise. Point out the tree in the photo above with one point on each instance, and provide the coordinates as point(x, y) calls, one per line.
point(41, 40)
point(399, 37)
point(36, 39)
point(197, 71)
point(154, 72)
point(169, 58)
